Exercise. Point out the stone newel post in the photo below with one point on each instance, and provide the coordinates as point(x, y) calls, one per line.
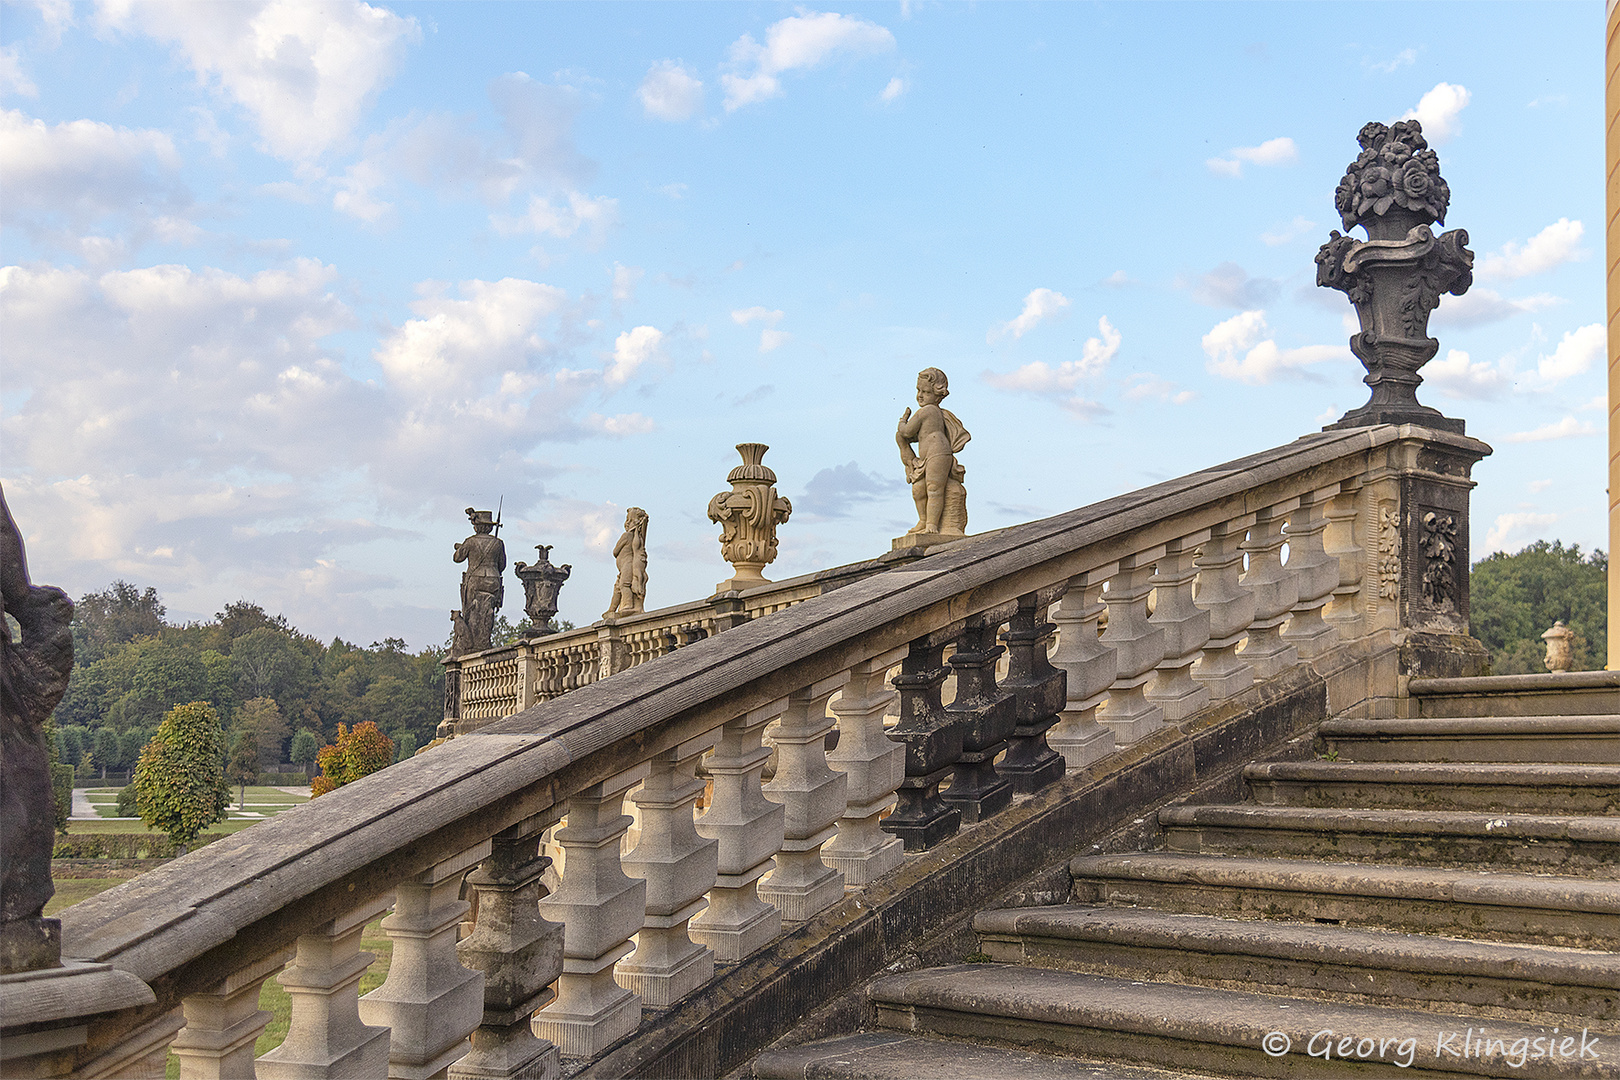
point(748, 515)
point(1395, 277)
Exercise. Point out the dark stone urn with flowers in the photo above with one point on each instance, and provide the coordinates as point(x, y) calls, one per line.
point(1397, 275)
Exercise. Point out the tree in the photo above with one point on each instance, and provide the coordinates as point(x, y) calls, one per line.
point(356, 753)
point(179, 784)
point(104, 749)
point(244, 763)
point(1515, 598)
point(269, 663)
point(262, 719)
point(305, 747)
point(243, 617)
point(118, 614)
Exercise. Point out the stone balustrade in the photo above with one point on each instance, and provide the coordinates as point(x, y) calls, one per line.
point(625, 936)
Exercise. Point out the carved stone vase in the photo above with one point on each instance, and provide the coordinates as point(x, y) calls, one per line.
point(1395, 277)
point(748, 515)
point(542, 584)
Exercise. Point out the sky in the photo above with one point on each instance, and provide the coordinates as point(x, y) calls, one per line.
point(285, 286)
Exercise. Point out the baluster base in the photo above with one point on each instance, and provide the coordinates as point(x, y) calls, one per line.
point(803, 884)
point(1222, 672)
point(1267, 653)
point(508, 1053)
point(976, 790)
point(737, 922)
point(1078, 736)
point(670, 970)
point(588, 1017)
point(921, 819)
point(1177, 694)
point(1129, 714)
point(1028, 777)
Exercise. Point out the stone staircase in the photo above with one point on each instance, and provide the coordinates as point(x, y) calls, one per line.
point(1434, 896)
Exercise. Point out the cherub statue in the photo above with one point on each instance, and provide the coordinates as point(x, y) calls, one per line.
point(482, 589)
point(630, 553)
point(936, 477)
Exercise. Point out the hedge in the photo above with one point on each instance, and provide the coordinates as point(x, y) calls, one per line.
point(122, 846)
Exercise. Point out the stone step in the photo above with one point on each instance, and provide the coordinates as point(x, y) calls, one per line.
point(1577, 692)
point(1535, 842)
point(885, 1055)
point(1566, 789)
point(1590, 739)
point(1372, 966)
point(1499, 905)
point(1224, 1031)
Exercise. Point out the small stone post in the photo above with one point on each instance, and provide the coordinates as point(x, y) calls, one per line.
point(679, 867)
point(600, 909)
point(1186, 631)
point(429, 1001)
point(1040, 691)
point(986, 715)
point(1090, 665)
point(873, 766)
point(223, 1023)
point(1316, 574)
point(812, 798)
point(1141, 646)
point(1275, 593)
point(748, 515)
point(1230, 607)
point(750, 830)
point(932, 743)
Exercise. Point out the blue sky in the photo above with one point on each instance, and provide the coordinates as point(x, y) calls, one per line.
point(287, 286)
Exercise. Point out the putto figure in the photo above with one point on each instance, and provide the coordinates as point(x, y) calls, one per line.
point(482, 590)
point(936, 477)
point(630, 553)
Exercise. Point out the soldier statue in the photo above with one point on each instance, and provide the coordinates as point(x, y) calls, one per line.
point(482, 588)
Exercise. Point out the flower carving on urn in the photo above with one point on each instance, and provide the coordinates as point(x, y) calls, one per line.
point(748, 515)
point(1396, 277)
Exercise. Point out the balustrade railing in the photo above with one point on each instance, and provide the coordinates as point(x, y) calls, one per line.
point(626, 933)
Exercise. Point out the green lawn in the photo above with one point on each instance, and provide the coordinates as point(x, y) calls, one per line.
point(70, 891)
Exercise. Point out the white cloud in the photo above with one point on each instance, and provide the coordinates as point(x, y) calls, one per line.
point(670, 91)
point(305, 72)
point(1402, 59)
point(594, 215)
point(461, 349)
point(1481, 306)
point(771, 340)
point(1262, 360)
point(1040, 378)
point(744, 316)
point(1558, 243)
point(1286, 233)
point(13, 80)
point(1439, 111)
point(1575, 353)
point(77, 172)
point(1145, 386)
point(1567, 428)
point(1538, 486)
point(624, 282)
point(799, 42)
point(621, 424)
point(632, 349)
point(1508, 527)
point(1039, 305)
point(1278, 151)
point(893, 89)
point(1457, 376)
point(1229, 285)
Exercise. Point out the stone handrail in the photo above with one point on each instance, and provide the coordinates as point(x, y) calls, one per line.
point(494, 683)
point(1359, 511)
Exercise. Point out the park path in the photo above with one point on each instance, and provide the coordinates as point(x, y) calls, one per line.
point(83, 808)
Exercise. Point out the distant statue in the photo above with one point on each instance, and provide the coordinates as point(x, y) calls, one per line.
point(542, 583)
point(935, 476)
point(1560, 654)
point(482, 589)
point(34, 673)
point(630, 553)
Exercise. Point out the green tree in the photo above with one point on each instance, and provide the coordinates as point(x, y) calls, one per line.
point(1513, 599)
point(61, 778)
point(243, 767)
point(104, 750)
point(242, 618)
point(118, 614)
point(262, 718)
point(269, 663)
point(304, 748)
point(179, 783)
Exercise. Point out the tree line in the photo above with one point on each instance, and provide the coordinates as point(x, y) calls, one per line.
point(279, 690)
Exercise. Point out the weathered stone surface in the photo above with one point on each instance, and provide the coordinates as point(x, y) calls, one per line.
point(542, 583)
point(34, 673)
point(936, 477)
point(748, 515)
point(483, 590)
point(630, 556)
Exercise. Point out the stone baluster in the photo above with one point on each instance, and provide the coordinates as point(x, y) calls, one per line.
point(1040, 691)
point(1316, 575)
point(1140, 644)
point(520, 955)
point(932, 744)
point(326, 1038)
point(1186, 630)
point(873, 767)
point(1230, 607)
point(600, 909)
point(1090, 666)
point(223, 1022)
point(812, 797)
point(1275, 593)
point(749, 828)
point(1344, 541)
point(679, 867)
point(429, 1001)
point(986, 715)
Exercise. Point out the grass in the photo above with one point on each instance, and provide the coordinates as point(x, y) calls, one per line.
point(70, 891)
point(129, 825)
point(265, 802)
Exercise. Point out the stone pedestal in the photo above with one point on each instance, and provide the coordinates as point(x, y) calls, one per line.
point(45, 1014)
